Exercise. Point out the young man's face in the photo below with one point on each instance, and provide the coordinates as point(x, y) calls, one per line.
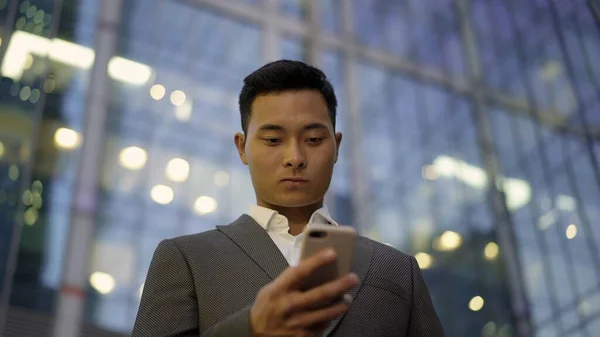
point(290, 148)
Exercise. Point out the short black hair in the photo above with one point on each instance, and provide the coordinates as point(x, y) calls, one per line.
point(283, 75)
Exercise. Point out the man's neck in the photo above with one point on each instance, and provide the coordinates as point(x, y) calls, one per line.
point(298, 217)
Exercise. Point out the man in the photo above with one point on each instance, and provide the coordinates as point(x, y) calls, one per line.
point(243, 279)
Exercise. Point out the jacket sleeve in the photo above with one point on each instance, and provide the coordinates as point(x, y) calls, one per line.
point(169, 307)
point(424, 321)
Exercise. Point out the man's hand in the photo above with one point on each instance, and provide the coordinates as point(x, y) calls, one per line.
point(282, 309)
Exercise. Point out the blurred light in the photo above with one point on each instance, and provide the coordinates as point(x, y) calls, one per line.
point(205, 205)
point(565, 203)
point(0, 42)
point(157, 92)
point(425, 260)
point(476, 303)
point(28, 62)
point(450, 167)
point(27, 198)
point(489, 329)
point(551, 70)
point(177, 97)
point(518, 192)
point(13, 172)
point(30, 216)
point(491, 251)
point(66, 138)
point(103, 283)
point(221, 178)
point(162, 194)
point(35, 96)
point(49, 85)
point(183, 112)
point(37, 187)
point(571, 231)
point(37, 200)
point(448, 241)
point(1, 149)
point(178, 169)
point(585, 307)
point(69, 53)
point(128, 71)
point(25, 93)
point(133, 158)
point(22, 44)
point(546, 220)
point(428, 172)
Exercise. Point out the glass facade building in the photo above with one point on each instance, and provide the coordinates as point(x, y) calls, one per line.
point(471, 140)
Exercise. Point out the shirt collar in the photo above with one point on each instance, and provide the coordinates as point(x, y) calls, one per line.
point(264, 215)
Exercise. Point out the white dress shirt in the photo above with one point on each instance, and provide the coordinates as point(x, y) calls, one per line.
point(277, 227)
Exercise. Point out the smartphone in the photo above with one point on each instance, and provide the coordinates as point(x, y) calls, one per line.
point(318, 237)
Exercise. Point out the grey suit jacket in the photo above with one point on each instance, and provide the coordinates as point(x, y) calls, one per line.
point(204, 284)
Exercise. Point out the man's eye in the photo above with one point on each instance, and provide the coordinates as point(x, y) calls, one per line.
point(315, 140)
point(272, 141)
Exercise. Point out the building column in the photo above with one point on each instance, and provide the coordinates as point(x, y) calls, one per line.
point(71, 299)
point(271, 50)
point(358, 167)
point(504, 229)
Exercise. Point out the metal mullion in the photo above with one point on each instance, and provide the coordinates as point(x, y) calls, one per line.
point(549, 182)
point(571, 77)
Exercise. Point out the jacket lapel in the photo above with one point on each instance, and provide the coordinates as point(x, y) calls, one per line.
point(360, 266)
point(257, 244)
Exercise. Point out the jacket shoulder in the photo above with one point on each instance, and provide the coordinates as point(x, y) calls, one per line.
point(388, 258)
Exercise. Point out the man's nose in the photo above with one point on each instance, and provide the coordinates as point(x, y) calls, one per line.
point(294, 156)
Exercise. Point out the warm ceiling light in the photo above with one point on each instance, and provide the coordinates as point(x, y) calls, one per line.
point(177, 97)
point(162, 194)
point(128, 71)
point(476, 303)
point(157, 92)
point(103, 283)
point(66, 138)
point(1, 149)
point(425, 260)
point(23, 44)
point(205, 205)
point(178, 170)
point(133, 158)
point(491, 251)
point(448, 241)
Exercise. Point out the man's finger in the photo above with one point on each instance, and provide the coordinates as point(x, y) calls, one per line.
point(293, 277)
point(299, 301)
point(312, 318)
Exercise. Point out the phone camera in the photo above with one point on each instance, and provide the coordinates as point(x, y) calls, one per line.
point(318, 234)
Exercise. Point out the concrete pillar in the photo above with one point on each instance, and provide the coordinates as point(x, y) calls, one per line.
point(71, 299)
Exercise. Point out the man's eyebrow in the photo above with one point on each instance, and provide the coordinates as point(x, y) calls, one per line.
point(270, 127)
point(313, 126)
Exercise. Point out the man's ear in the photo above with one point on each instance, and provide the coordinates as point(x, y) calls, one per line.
point(240, 144)
point(338, 141)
